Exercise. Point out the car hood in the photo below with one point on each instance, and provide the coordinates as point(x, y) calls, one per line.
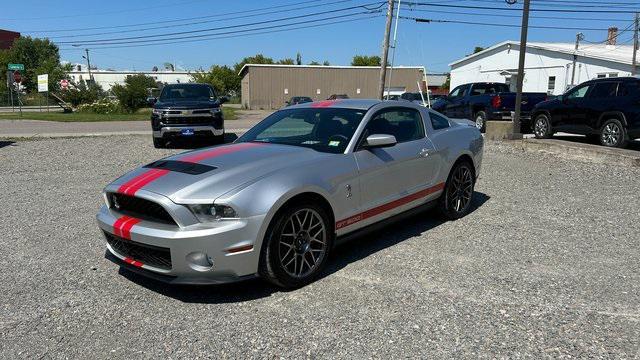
point(186, 104)
point(201, 176)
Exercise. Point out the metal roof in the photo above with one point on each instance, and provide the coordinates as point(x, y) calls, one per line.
point(616, 53)
point(245, 66)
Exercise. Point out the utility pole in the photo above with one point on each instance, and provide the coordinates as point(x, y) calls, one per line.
point(395, 43)
point(88, 64)
point(523, 50)
point(579, 36)
point(385, 50)
point(635, 45)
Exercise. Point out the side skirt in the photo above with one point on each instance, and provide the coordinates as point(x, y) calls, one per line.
point(383, 223)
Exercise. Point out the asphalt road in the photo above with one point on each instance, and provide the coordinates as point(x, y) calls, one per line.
point(545, 266)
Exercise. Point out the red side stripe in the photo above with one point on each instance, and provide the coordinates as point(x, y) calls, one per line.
point(388, 206)
point(324, 104)
point(240, 248)
point(218, 151)
point(135, 263)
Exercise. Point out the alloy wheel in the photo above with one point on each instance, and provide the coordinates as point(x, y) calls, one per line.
point(541, 127)
point(611, 134)
point(303, 243)
point(460, 189)
point(479, 122)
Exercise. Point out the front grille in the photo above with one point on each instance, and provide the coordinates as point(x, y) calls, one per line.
point(193, 120)
point(139, 208)
point(158, 257)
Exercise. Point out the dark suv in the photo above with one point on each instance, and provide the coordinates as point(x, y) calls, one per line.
point(607, 109)
point(186, 110)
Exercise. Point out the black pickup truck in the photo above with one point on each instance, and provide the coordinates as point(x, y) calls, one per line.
point(487, 101)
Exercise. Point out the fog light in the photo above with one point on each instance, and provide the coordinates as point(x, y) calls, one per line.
point(199, 261)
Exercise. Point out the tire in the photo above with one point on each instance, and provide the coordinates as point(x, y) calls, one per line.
point(480, 118)
point(542, 127)
point(613, 134)
point(293, 241)
point(457, 197)
point(159, 143)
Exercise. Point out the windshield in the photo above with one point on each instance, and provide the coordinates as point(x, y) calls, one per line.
point(186, 92)
point(322, 129)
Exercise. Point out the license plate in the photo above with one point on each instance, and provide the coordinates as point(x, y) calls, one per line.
point(187, 132)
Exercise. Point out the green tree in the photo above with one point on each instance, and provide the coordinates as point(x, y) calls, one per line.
point(365, 60)
point(326, 63)
point(39, 56)
point(83, 93)
point(447, 83)
point(298, 59)
point(256, 59)
point(133, 94)
point(286, 61)
point(314, 63)
point(223, 79)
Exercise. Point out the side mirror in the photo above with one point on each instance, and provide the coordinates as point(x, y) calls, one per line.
point(379, 141)
point(223, 99)
point(152, 101)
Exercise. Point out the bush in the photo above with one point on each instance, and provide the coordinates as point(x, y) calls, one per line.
point(133, 94)
point(104, 106)
point(82, 94)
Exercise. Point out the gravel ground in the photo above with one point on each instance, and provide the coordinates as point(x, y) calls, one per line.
point(545, 266)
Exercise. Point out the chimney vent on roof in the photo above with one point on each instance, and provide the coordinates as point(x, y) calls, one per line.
point(612, 35)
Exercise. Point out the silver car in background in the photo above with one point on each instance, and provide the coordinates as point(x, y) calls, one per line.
point(273, 203)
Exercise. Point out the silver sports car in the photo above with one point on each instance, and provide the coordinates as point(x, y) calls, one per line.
point(273, 203)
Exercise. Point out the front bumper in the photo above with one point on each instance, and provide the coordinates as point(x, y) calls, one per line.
point(189, 247)
point(168, 131)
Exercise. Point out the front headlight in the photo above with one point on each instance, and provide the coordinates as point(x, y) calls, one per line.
point(215, 111)
point(212, 212)
point(157, 112)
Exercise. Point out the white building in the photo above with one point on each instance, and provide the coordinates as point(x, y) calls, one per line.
point(108, 78)
point(548, 66)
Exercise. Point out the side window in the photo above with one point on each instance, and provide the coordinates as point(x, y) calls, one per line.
point(604, 90)
point(578, 92)
point(438, 121)
point(459, 91)
point(629, 89)
point(478, 89)
point(404, 124)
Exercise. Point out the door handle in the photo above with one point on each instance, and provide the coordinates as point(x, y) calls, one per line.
point(425, 152)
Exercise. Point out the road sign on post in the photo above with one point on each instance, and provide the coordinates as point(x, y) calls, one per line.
point(15, 67)
point(43, 83)
point(64, 84)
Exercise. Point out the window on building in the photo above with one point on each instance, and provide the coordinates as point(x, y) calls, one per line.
point(613, 74)
point(551, 85)
point(601, 76)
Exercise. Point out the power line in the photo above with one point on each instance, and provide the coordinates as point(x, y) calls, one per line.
point(497, 25)
point(165, 22)
point(216, 37)
point(568, 4)
point(125, 39)
point(515, 16)
point(520, 10)
point(197, 22)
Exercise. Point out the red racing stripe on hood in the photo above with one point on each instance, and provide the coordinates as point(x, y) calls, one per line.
point(135, 184)
point(218, 151)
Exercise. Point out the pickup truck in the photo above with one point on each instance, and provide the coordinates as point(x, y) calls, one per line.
point(484, 101)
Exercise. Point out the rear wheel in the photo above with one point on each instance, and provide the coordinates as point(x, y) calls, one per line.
point(159, 143)
point(456, 200)
point(296, 246)
point(613, 134)
point(542, 127)
point(481, 121)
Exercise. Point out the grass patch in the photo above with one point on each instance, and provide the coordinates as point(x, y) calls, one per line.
point(142, 114)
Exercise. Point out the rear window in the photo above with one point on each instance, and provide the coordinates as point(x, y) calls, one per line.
point(604, 90)
point(491, 88)
point(629, 88)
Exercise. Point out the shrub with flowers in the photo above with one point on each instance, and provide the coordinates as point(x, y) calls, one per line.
point(103, 106)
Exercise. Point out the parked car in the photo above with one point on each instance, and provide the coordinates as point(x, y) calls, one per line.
point(413, 97)
point(487, 101)
point(605, 109)
point(275, 202)
point(187, 110)
point(337, 96)
point(299, 100)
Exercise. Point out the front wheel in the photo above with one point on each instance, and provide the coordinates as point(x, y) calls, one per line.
point(542, 127)
point(613, 134)
point(456, 200)
point(296, 246)
point(159, 143)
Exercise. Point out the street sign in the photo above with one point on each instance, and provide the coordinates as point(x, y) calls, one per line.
point(64, 84)
point(15, 67)
point(43, 83)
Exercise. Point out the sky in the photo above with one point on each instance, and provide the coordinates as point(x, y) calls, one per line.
point(339, 29)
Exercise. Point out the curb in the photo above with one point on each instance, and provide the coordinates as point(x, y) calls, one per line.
point(23, 136)
point(583, 152)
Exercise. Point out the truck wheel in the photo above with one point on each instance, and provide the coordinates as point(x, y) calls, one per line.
point(481, 121)
point(159, 143)
point(613, 134)
point(542, 127)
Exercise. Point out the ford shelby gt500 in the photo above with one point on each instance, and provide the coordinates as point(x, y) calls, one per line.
point(273, 203)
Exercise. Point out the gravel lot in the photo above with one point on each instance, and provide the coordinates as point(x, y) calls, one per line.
point(547, 265)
